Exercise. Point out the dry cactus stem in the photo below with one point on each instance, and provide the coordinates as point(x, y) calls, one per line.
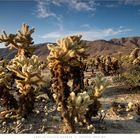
point(64, 56)
point(28, 81)
point(7, 100)
point(22, 40)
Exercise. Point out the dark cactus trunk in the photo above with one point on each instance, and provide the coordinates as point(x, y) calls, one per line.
point(26, 104)
point(7, 100)
point(78, 79)
point(62, 91)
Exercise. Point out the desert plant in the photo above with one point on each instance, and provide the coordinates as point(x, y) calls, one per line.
point(106, 64)
point(134, 54)
point(25, 67)
point(28, 80)
point(129, 78)
point(99, 85)
point(64, 56)
point(78, 107)
point(22, 40)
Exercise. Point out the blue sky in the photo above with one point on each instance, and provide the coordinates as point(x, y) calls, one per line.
point(53, 19)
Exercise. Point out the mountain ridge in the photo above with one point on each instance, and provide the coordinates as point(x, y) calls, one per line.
point(113, 47)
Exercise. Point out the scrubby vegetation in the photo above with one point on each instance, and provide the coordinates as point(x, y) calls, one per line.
point(63, 79)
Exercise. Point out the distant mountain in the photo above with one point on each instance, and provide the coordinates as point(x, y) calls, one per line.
point(98, 47)
point(113, 46)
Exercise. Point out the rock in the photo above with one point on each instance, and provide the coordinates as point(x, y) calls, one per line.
point(46, 114)
point(4, 123)
point(23, 119)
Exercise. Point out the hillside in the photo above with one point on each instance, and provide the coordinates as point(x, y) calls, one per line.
point(98, 47)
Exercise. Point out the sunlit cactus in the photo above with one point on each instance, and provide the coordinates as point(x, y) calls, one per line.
point(78, 107)
point(67, 50)
point(136, 61)
point(134, 54)
point(21, 40)
point(28, 80)
point(100, 84)
point(65, 56)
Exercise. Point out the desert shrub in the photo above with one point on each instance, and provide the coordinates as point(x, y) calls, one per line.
point(130, 78)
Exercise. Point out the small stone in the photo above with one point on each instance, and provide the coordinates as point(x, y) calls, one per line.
point(46, 114)
point(23, 119)
point(37, 111)
point(4, 123)
point(43, 100)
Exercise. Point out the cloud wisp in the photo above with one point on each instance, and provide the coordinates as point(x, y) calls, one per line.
point(43, 9)
point(87, 35)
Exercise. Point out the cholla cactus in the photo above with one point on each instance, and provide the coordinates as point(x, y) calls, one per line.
point(100, 84)
point(67, 51)
point(22, 40)
point(134, 54)
point(78, 106)
point(133, 58)
point(107, 65)
point(136, 61)
point(28, 79)
point(63, 57)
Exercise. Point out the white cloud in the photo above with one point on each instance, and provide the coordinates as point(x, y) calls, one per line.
point(130, 2)
point(43, 10)
point(103, 33)
point(44, 6)
point(87, 35)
